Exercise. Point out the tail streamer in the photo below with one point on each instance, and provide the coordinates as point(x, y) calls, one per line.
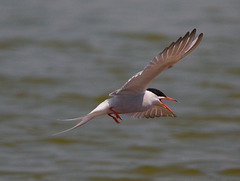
point(84, 120)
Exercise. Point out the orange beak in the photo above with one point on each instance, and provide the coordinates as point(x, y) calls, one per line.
point(168, 98)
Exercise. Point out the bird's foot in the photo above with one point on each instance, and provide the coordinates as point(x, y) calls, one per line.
point(116, 114)
point(115, 119)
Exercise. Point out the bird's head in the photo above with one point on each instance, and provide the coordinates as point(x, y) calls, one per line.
point(161, 96)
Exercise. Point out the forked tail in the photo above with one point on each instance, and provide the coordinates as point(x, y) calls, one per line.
point(84, 120)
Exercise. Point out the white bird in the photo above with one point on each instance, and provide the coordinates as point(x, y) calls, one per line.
point(134, 98)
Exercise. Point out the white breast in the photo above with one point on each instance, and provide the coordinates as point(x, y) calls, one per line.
point(133, 103)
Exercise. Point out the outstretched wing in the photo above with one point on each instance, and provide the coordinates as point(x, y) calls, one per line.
point(154, 111)
point(166, 59)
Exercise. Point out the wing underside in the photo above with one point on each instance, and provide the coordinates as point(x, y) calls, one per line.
point(164, 60)
point(154, 111)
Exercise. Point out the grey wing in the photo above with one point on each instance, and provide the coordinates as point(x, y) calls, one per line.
point(154, 111)
point(164, 60)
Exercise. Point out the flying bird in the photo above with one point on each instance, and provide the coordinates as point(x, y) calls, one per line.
point(134, 98)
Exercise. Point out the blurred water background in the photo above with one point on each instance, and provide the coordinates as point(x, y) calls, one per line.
point(59, 59)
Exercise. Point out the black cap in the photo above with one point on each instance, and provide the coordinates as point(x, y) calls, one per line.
point(157, 92)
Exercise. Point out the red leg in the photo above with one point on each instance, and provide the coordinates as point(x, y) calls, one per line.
point(116, 114)
point(115, 119)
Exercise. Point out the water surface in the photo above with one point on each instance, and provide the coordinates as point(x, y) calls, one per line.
point(59, 59)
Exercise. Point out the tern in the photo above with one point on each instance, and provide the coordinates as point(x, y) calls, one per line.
point(134, 98)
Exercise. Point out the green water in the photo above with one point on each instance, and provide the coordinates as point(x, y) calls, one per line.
point(59, 59)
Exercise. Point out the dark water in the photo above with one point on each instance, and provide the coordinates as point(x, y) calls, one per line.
point(59, 59)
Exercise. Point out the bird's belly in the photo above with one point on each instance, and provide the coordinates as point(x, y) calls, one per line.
point(128, 104)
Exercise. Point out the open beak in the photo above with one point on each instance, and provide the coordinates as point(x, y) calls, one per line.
point(168, 98)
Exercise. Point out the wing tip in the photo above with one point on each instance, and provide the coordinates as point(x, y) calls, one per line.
point(194, 43)
point(194, 32)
